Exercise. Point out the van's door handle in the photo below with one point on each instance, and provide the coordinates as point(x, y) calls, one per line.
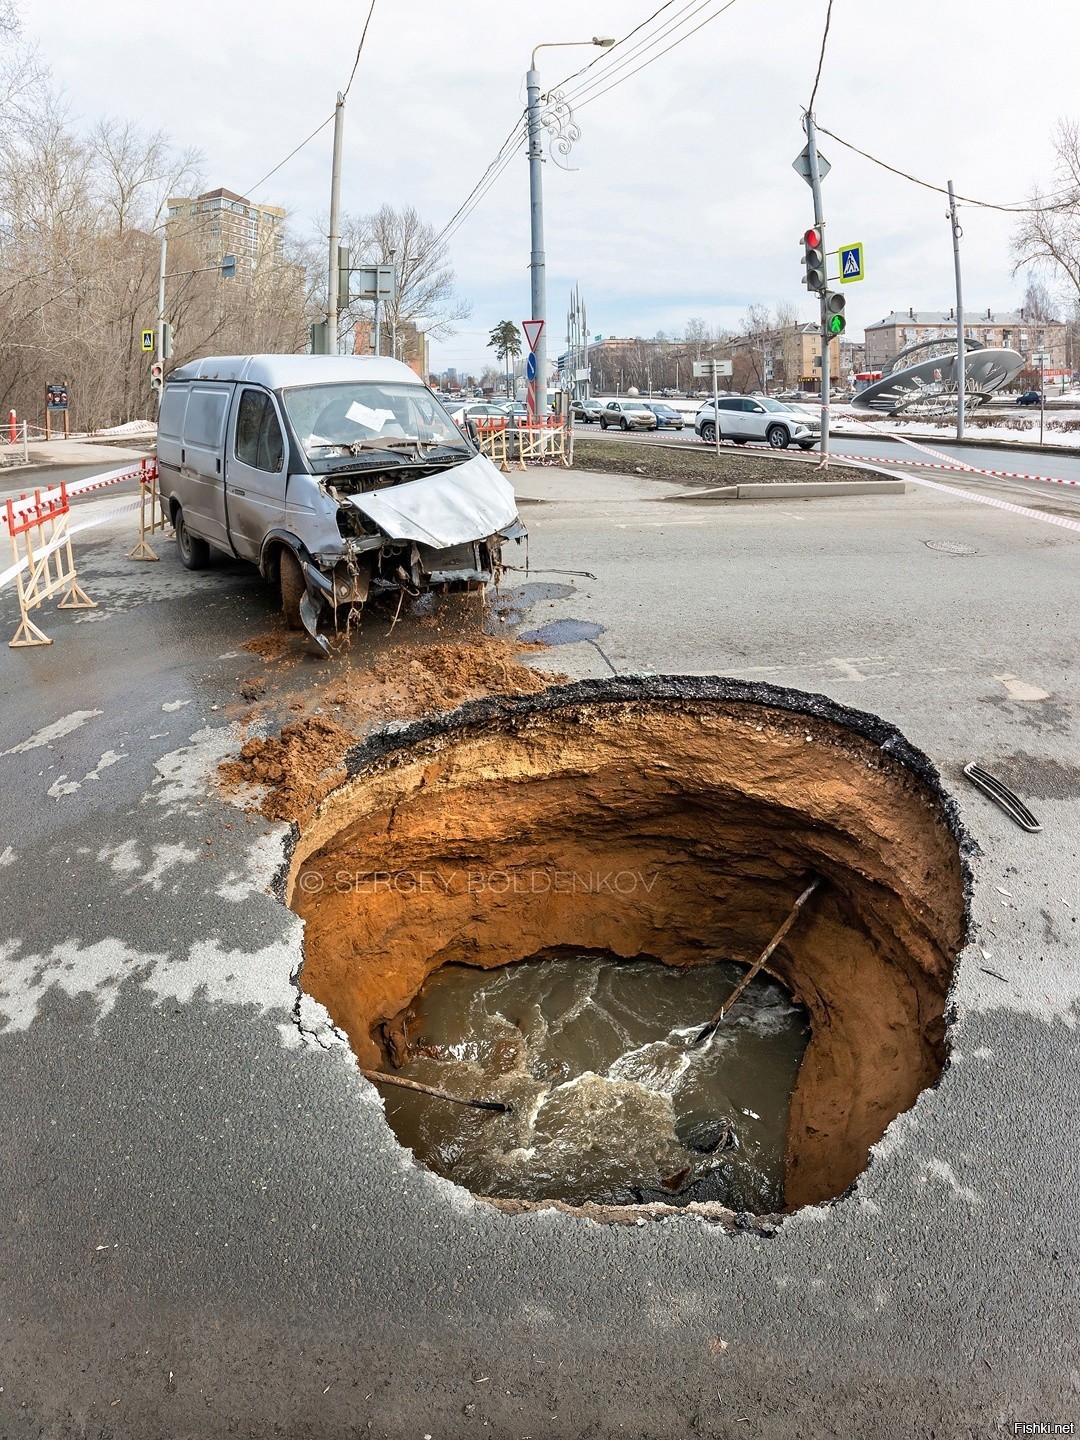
point(234, 491)
point(182, 455)
point(217, 466)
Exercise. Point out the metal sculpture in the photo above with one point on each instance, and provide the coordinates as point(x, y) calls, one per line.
point(929, 384)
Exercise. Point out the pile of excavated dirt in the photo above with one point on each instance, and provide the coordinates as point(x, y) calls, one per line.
point(351, 696)
point(296, 769)
point(665, 818)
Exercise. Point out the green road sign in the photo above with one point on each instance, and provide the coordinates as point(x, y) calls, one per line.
point(148, 339)
point(852, 265)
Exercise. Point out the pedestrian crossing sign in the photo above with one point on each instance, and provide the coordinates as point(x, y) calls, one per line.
point(851, 264)
point(148, 339)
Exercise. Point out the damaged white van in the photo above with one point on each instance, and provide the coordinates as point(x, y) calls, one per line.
point(337, 475)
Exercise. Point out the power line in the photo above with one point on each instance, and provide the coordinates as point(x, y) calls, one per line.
point(359, 48)
point(588, 100)
point(940, 189)
point(252, 188)
point(609, 65)
point(516, 138)
point(821, 57)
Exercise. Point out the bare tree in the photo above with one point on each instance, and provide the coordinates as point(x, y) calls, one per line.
point(1049, 234)
point(425, 293)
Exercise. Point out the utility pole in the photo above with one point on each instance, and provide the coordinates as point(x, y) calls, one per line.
point(333, 298)
point(961, 357)
point(819, 223)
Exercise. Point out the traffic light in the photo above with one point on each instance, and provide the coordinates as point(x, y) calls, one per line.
point(156, 372)
point(166, 341)
point(228, 267)
point(320, 342)
point(835, 324)
point(814, 260)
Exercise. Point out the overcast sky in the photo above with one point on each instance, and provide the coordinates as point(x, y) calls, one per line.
point(682, 200)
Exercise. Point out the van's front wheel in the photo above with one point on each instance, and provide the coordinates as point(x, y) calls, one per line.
point(293, 589)
point(194, 553)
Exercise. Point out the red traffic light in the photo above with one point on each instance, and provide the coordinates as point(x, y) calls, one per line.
point(812, 238)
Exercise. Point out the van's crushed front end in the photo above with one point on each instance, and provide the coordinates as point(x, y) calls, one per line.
point(442, 531)
point(395, 498)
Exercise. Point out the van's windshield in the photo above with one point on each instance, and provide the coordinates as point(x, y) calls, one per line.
point(354, 418)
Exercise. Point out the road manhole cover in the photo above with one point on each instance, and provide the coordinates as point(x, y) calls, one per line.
point(950, 547)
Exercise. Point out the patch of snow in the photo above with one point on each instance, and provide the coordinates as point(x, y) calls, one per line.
point(7, 856)
point(175, 704)
point(262, 863)
point(56, 731)
point(185, 776)
point(109, 758)
point(62, 786)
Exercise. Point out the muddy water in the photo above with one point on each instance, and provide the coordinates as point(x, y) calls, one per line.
point(611, 1104)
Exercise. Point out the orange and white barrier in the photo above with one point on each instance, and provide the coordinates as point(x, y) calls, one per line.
point(43, 564)
point(491, 440)
point(548, 441)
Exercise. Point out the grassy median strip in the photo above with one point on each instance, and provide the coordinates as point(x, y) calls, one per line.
point(686, 463)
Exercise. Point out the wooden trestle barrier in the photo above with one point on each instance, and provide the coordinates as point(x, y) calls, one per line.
point(543, 442)
point(151, 515)
point(44, 565)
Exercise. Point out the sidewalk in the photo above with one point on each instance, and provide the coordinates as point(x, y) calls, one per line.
point(56, 453)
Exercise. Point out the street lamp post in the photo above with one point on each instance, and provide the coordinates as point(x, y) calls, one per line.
point(537, 277)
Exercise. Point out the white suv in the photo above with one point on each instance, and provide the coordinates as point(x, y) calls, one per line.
point(757, 417)
point(627, 415)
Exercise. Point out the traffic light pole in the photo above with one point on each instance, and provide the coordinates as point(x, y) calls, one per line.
point(819, 222)
point(161, 310)
point(961, 358)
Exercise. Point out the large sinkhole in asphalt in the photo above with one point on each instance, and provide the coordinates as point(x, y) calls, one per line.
point(530, 900)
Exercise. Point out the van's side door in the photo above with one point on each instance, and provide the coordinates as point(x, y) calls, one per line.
point(255, 470)
point(200, 487)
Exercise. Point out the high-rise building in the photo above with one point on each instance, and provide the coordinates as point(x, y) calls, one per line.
point(221, 223)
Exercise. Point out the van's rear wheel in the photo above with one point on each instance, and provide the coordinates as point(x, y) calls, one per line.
point(194, 553)
point(293, 588)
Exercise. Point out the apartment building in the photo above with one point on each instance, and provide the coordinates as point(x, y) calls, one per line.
point(1001, 329)
point(220, 223)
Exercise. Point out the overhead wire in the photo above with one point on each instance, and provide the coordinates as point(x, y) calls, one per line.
point(323, 124)
point(359, 50)
point(609, 65)
point(1026, 209)
point(821, 57)
point(516, 139)
point(588, 100)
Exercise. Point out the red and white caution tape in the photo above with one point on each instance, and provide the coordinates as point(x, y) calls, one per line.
point(942, 462)
point(87, 486)
point(6, 576)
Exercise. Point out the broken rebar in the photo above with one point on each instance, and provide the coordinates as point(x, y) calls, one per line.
point(380, 1077)
point(706, 1030)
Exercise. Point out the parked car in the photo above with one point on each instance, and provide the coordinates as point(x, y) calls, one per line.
point(586, 411)
point(335, 475)
point(627, 415)
point(667, 418)
point(1029, 397)
point(758, 417)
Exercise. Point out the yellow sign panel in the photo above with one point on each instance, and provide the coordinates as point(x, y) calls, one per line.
point(148, 339)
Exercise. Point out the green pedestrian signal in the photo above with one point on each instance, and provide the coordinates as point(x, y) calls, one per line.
point(835, 324)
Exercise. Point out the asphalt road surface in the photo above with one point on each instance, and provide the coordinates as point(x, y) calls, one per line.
point(208, 1228)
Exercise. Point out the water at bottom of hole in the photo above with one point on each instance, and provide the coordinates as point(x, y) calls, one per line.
point(611, 1102)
